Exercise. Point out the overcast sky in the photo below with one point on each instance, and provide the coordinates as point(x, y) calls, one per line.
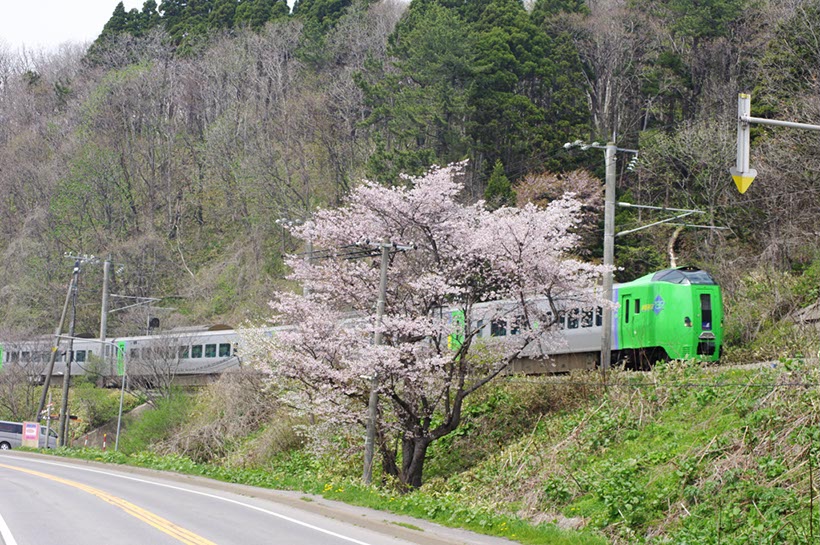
point(45, 24)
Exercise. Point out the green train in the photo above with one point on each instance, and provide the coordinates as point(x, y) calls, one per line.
point(670, 314)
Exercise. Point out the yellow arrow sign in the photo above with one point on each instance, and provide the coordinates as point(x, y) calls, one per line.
point(743, 179)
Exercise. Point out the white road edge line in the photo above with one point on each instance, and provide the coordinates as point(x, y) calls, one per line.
point(5, 533)
point(196, 492)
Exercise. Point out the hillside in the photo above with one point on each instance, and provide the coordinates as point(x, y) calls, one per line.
point(191, 134)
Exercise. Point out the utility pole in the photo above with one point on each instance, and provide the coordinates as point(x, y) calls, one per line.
point(609, 256)
point(122, 396)
point(288, 224)
point(104, 313)
point(367, 249)
point(309, 259)
point(55, 348)
point(64, 416)
point(610, 150)
point(373, 402)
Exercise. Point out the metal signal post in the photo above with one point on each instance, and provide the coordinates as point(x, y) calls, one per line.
point(741, 173)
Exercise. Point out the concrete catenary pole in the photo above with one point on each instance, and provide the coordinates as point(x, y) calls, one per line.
point(55, 348)
point(373, 402)
point(609, 254)
point(64, 416)
point(104, 317)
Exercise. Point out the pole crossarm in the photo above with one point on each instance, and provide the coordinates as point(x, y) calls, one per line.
point(661, 222)
point(584, 146)
point(778, 123)
point(661, 208)
point(362, 250)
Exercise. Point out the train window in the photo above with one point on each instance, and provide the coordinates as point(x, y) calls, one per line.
point(498, 328)
point(637, 306)
point(210, 350)
point(599, 317)
point(196, 351)
point(479, 329)
point(562, 319)
point(224, 350)
point(515, 325)
point(183, 352)
point(572, 319)
point(626, 310)
point(235, 350)
point(25, 356)
point(133, 354)
point(705, 311)
point(586, 318)
point(79, 356)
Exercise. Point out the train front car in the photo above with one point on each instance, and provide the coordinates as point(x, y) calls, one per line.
point(671, 314)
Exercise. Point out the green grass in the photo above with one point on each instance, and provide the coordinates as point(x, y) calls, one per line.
point(407, 525)
point(156, 424)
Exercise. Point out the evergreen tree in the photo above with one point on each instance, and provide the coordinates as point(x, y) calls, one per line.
point(255, 13)
point(222, 15)
point(469, 11)
point(499, 190)
point(117, 24)
point(320, 14)
point(525, 81)
point(187, 21)
point(149, 16)
point(421, 102)
point(545, 9)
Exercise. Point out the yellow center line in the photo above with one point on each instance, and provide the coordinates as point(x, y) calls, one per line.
point(161, 524)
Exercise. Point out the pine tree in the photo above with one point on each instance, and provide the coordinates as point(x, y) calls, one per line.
point(521, 71)
point(117, 24)
point(321, 14)
point(222, 15)
point(499, 190)
point(420, 104)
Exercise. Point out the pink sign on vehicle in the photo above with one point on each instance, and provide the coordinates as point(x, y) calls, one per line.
point(31, 434)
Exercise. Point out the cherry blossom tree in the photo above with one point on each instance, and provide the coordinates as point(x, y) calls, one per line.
point(470, 271)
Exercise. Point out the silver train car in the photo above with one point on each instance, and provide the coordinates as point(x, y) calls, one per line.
point(188, 356)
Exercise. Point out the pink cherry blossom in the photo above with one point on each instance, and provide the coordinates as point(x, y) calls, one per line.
point(514, 265)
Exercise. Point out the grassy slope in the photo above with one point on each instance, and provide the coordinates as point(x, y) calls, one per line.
point(680, 455)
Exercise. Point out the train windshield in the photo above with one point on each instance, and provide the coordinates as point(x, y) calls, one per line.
point(706, 311)
point(684, 275)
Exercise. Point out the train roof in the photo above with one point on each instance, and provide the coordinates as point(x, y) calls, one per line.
point(678, 275)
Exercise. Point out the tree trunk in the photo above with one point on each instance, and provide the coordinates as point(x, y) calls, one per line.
point(414, 451)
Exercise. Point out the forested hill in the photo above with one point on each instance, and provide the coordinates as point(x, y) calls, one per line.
point(190, 132)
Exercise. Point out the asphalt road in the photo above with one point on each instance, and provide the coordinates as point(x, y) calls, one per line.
point(47, 500)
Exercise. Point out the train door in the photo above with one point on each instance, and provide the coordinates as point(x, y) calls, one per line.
point(626, 320)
